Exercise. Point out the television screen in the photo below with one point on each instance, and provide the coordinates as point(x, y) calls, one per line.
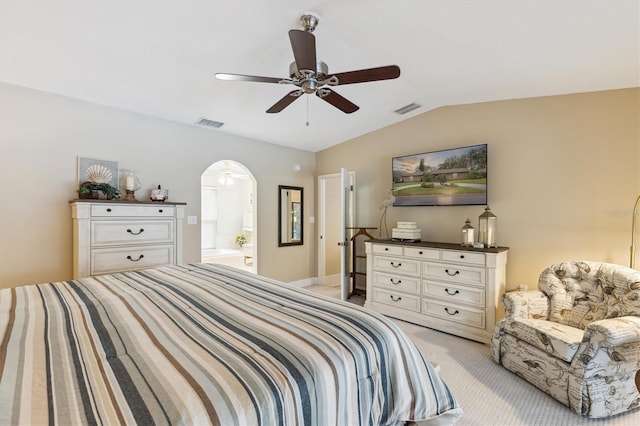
point(452, 177)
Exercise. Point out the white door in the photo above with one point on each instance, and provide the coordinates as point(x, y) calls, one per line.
point(345, 208)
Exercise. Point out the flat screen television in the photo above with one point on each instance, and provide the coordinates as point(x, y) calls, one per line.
point(452, 177)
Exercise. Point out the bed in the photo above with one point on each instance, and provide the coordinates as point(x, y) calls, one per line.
point(206, 344)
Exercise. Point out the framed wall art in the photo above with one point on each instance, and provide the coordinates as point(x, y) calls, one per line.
point(97, 171)
point(451, 177)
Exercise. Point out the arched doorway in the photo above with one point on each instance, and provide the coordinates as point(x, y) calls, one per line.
point(228, 216)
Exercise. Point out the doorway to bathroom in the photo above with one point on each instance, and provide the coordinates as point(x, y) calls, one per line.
point(228, 216)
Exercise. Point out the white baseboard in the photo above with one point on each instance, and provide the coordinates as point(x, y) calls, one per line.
point(331, 280)
point(305, 282)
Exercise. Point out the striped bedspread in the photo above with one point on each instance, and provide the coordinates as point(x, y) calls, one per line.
point(205, 344)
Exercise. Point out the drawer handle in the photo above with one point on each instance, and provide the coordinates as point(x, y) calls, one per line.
point(462, 256)
point(135, 233)
point(135, 260)
point(450, 274)
point(395, 282)
point(386, 249)
point(160, 211)
point(395, 300)
point(396, 265)
point(108, 210)
point(420, 252)
point(454, 313)
point(451, 294)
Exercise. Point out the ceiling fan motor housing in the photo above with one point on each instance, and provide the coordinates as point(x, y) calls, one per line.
point(310, 80)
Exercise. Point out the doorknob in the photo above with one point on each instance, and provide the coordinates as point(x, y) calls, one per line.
point(343, 243)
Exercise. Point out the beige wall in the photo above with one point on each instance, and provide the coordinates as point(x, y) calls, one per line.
point(563, 174)
point(41, 136)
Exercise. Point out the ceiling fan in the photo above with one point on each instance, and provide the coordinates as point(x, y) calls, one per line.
point(227, 175)
point(311, 75)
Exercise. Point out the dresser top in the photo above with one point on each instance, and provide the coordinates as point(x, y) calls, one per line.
point(93, 200)
point(447, 246)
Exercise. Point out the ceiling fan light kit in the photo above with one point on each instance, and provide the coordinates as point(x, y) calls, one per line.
point(311, 75)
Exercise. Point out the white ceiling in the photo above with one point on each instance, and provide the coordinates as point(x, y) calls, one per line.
point(159, 58)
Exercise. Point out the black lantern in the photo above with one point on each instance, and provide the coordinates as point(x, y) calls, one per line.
point(487, 225)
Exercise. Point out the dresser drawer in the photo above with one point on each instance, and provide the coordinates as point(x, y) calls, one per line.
point(108, 232)
point(387, 249)
point(451, 293)
point(455, 313)
point(422, 253)
point(454, 273)
point(104, 261)
point(397, 265)
point(398, 299)
point(397, 282)
point(117, 210)
point(463, 257)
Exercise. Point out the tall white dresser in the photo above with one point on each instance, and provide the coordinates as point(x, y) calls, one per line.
point(115, 236)
point(438, 285)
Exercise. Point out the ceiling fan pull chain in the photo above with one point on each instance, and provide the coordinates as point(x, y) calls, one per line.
point(307, 110)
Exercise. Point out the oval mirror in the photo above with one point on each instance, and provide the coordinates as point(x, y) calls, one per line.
point(290, 215)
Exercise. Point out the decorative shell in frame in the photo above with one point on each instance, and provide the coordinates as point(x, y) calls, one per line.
point(99, 174)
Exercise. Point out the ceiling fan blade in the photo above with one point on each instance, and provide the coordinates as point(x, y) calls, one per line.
point(241, 77)
point(303, 44)
point(369, 74)
point(285, 101)
point(337, 100)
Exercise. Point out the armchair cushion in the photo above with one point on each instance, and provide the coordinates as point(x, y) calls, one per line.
point(559, 340)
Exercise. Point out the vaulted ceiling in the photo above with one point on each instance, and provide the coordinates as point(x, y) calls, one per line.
point(159, 58)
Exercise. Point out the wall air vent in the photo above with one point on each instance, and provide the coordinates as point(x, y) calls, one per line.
point(405, 109)
point(209, 123)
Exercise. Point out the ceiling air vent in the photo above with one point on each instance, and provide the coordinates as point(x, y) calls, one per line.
point(405, 109)
point(209, 123)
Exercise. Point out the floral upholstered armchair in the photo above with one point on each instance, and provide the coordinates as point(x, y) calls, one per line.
point(577, 337)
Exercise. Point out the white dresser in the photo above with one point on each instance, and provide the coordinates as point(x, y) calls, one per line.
point(438, 285)
point(115, 236)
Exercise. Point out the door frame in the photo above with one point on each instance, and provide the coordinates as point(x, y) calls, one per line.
point(253, 201)
point(334, 279)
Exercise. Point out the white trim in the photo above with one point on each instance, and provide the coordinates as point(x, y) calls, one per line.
point(332, 280)
point(305, 282)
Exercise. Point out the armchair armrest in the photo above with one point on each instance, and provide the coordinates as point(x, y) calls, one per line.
point(526, 304)
point(610, 349)
point(612, 332)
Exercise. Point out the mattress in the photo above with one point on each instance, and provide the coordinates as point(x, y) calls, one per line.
point(206, 344)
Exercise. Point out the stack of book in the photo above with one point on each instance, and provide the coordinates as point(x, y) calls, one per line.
point(406, 231)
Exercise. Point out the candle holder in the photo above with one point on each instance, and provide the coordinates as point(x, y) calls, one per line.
point(467, 235)
point(130, 183)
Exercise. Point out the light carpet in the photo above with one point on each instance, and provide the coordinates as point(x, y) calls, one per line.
point(488, 393)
